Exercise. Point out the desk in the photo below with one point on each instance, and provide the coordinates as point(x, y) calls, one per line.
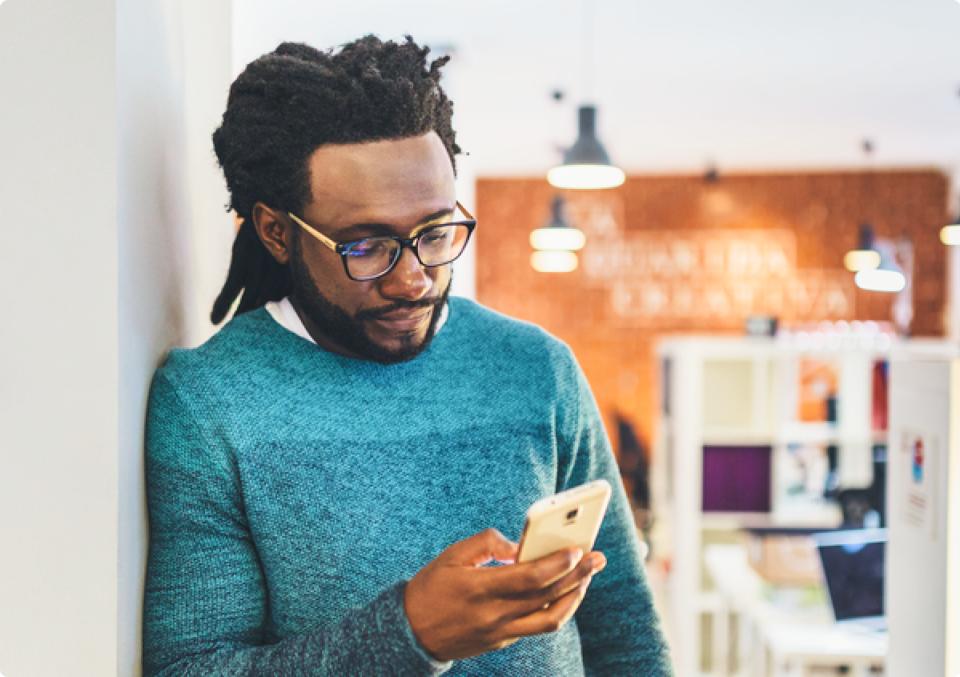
point(778, 641)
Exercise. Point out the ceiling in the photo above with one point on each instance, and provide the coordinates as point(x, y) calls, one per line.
point(744, 84)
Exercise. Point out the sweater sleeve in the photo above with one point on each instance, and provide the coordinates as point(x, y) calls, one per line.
point(206, 607)
point(620, 632)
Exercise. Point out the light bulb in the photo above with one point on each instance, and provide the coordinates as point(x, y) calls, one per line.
point(586, 177)
point(881, 279)
point(558, 238)
point(861, 259)
point(553, 261)
point(950, 235)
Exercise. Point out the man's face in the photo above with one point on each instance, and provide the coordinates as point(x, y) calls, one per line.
point(362, 190)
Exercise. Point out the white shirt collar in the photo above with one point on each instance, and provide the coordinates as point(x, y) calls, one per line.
point(286, 316)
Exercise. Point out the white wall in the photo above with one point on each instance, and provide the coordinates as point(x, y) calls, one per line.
point(173, 74)
point(115, 245)
point(58, 389)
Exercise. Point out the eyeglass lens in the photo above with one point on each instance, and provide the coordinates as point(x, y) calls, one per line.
point(373, 256)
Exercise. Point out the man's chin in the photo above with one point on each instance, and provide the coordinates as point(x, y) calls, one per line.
point(396, 346)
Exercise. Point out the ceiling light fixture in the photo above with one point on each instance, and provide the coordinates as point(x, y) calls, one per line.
point(864, 257)
point(558, 234)
point(881, 279)
point(586, 165)
point(556, 242)
point(950, 233)
point(886, 277)
point(553, 261)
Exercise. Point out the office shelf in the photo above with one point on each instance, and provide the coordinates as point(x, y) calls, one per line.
point(741, 396)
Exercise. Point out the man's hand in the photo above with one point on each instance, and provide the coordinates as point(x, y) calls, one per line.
point(458, 608)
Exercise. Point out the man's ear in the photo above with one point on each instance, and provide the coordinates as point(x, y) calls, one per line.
point(273, 231)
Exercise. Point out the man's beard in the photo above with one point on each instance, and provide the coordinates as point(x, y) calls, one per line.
point(349, 332)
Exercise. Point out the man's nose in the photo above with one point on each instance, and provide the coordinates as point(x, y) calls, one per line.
point(408, 280)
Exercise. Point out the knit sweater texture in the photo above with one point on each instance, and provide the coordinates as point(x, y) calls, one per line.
point(293, 491)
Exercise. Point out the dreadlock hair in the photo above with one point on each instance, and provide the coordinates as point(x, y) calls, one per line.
point(287, 103)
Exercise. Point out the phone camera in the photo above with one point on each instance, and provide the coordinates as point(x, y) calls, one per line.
point(572, 515)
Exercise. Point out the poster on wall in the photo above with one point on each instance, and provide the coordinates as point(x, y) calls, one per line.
point(919, 458)
point(697, 275)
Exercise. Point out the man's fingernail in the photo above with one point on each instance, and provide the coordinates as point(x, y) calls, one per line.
point(577, 556)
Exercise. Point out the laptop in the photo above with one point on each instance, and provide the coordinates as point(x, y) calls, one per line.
point(853, 565)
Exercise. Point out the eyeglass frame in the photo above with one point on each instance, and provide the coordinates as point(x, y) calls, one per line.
point(410, 242)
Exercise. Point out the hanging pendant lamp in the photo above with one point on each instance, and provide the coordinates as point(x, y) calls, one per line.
point(886, 277)
point(586, 165)
point(950, 233)
point(554, 261)
point(864, 257)
point(558, 234)
point(555, 244)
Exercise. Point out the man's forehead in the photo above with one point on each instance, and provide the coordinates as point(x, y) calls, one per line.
point(381, 181)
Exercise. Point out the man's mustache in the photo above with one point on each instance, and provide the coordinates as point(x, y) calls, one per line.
point(377, 313)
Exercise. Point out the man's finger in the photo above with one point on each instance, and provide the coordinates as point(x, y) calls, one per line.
point(486, 546)
point(518, 580)
point(548, 619)
point(588, 565)
point(550, 595)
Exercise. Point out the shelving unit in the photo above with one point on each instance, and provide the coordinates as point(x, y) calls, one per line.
point(743, 393)
point(922, 583)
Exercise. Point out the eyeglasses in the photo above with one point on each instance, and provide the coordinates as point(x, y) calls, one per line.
point(434, 244)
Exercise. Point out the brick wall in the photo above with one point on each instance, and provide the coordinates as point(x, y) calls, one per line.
point(812, 216)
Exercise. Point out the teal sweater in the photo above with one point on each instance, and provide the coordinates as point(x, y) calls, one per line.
point(292, 492)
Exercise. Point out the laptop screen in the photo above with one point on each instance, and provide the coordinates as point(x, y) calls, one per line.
point(853, 564)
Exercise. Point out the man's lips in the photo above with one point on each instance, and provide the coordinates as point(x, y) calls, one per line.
point(404, 320)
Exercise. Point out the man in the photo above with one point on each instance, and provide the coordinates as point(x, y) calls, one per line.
point(329, 475)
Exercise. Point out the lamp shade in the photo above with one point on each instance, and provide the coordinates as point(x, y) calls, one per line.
point(553, 261)
point(557, 234)
point(586, 164)
point(881, 279)
point(950, 233)
point(886, 277)
point(864, 257)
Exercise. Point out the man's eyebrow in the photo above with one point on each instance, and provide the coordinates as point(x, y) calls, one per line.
point(387, 229)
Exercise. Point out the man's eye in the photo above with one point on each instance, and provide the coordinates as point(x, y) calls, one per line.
point(368, 248)
point(439, 236)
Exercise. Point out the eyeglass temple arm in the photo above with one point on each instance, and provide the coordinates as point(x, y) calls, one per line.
point(423, 226)
point(313, 231)
point(464, 210)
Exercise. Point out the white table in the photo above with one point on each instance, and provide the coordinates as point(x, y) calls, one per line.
point(774, 640)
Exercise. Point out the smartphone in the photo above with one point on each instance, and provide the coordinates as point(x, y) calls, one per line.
point(569, 519)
